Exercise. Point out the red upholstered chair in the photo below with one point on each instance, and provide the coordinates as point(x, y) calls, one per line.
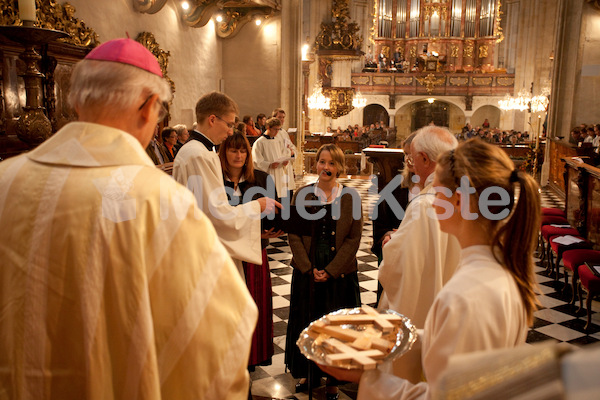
point(547, 220)
point(546, 233)
point(572, 259)
point(554, 211)
point(591, 283)
point(558, 250)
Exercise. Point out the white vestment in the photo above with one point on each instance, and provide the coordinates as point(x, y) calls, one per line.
point(417, 262)
point(239, 228)
point(114, 284)
point(265, 151)
point(480, 308)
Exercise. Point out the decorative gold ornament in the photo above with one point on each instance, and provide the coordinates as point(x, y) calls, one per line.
point(325, 71)
point(53, 16)
point(235, 14)
point(235, 18)
point(148, 6)
point(468, 51)
point(483, 51)
point(360, 80)
point(505, 81)
point(413, 51)
point(382, 80)
point(454, 51)
point(431, 81)
point(498, 28)
point(458, 81)
point(341, 101)
point(339, 34)
point(385, 50)
point(148, 40)
point(404, 81)
point(482, 81)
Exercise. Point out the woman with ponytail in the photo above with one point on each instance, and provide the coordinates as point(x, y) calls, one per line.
point(493, 209)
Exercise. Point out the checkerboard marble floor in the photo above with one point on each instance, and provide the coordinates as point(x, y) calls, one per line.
point(556, 319)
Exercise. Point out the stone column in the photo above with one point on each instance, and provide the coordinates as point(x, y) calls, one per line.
point(291, 68)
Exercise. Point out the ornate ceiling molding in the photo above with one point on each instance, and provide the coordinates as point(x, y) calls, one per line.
point(148, 6)
point(235, 13)
point(53, 16)
point(235, 18)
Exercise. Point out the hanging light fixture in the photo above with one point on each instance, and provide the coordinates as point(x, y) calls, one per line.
point(358, 100)
point(317, 100)
point(539, 103)
point(521, 102)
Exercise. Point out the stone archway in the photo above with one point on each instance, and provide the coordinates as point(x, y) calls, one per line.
point(403, 119)
point(375, 113)
point(492, 114)
point(424, 113)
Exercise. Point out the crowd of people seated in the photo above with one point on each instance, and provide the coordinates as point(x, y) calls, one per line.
point(494, 135)
point(585, 135)
point(366, 135)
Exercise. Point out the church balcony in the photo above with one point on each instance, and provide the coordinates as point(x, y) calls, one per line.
point(434, 83)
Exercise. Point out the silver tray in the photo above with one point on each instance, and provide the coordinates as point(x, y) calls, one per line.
point(403, 336)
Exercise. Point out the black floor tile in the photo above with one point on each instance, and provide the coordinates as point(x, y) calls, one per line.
point(283, 313)
point(534, 336)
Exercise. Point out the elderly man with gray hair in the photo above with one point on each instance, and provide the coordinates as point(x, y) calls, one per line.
point(114, 284)
point(182, 135)
point(419, 258)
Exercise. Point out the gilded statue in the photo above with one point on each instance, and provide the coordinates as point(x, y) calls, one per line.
point(483, 51)
point(148, 40)
point(454, 51)
point(339, 34)
point(468, 52)
point(62, 18)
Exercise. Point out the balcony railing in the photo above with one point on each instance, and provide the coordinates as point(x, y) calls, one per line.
point(434, 83)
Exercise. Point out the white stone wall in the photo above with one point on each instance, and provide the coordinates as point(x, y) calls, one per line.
point(247, 66)
point(251, 67)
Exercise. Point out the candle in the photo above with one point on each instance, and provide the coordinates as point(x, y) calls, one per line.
point(27, 10)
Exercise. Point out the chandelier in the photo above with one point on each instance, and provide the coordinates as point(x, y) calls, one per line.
point(524, 101)
point(317, 100)
point(521, 102)
point(359, 101)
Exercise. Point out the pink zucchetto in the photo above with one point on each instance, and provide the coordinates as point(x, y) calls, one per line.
point(126, 51)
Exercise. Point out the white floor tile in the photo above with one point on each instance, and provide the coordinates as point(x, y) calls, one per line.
point(280, 302)
point(553, 316)
point(282, 290)
point(277, 367)
point(560, 332)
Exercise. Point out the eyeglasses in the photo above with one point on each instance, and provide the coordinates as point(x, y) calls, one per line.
point(409, 160)
point(230, 125)
point(162, 112)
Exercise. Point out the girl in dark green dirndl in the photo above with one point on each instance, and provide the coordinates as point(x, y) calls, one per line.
point(325, 268)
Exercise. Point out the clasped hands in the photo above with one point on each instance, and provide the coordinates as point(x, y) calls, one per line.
point(320, 275)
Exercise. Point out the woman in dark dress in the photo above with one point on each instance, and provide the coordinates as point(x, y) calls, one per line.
point(239, 176)
point(325, 268)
